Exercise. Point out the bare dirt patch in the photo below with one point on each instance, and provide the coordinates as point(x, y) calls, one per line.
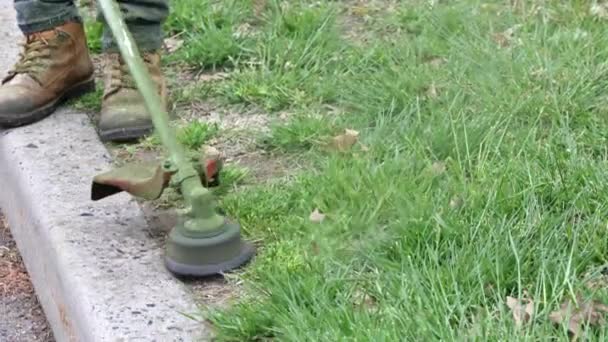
point(241, 128)
point(357, 16)
point(22, 318)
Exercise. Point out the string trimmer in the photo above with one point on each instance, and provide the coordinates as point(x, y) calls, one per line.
point(203, 242)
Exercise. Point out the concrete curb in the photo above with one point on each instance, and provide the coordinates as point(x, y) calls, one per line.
point(98, 275)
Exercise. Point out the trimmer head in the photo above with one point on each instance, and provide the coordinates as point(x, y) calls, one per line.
point(203, 243)
point(204, 256)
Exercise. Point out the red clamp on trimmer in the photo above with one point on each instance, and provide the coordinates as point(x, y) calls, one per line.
point(203, 242)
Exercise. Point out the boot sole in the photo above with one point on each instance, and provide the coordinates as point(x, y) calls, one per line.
point(24, 119)
point(126, 134)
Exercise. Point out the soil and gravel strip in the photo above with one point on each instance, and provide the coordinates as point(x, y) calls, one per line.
point(21, 317)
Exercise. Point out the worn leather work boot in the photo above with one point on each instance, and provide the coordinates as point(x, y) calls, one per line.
point(124, 115)
point(53, 66)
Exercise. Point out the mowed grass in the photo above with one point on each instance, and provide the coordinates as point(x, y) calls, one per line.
point(480, 172)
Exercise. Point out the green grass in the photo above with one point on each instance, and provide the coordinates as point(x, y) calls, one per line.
point(410, 250)
point(196, 134)
point(303, 131)
point(209, 29)
point(90, 102)
point(192, 135)
point(93, 31)
point(286, 57)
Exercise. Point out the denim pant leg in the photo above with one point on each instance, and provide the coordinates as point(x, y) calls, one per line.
point(41, 15)
point(144, 19)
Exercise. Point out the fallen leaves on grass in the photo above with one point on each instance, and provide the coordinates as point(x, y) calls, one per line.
point(435, 61)
point(316, 216)
point(364, 300)
point(243, 30)
point(360, 11)
point(258, 7)
point(438, 168)
point(173, 44)
point(214, 77)
point(432, 91)
point(599, 10)
point(345, 141)
point(588, 312)
point(597, 281)
point(505, 39)
point(522, 310)
point(456, 202)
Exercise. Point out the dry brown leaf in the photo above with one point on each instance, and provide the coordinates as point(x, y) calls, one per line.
point(599, 10)
point(363, 299)
point(258, 7)
point(344, 142)
point(316, 216)
point(438, 167)
point(436, 62)
point(243, 30)
point(502, 40)
point(432, 91)
point(173, 44)
point(360, 11)
point(587, 312)
point(596, 283)
point(538, 73)
point(218, 76)
point(522, 310)
point(456, 202)
point(505, 39)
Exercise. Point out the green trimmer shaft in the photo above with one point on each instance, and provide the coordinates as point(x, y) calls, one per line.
point(203, 242)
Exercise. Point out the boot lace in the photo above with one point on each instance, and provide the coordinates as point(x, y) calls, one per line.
point(120, 76)
point(35, 56)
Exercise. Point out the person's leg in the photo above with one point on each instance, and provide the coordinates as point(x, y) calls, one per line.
point(54, 64)
point(41, 15)
point(123, 112)
point(144, 19)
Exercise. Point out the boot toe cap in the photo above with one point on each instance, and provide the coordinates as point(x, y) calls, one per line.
point(15, 101)
point(124, 123)
point(17, 109)
point(124, 116)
